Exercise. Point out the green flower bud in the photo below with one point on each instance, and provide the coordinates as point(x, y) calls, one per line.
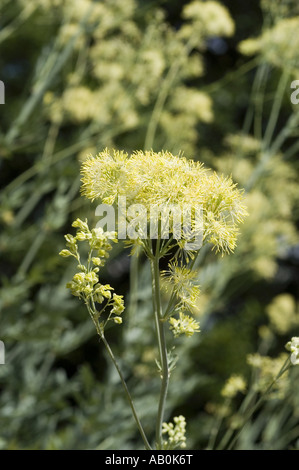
point(97, 261)
point(65, 253)
point(82, 268)
point(91, 277)
point(81, 236)
point(80, 224)
point(79, 278)
point(118, 304)
point(74, 288)
point(70, 239)
point(87, 290)
point(103, 253)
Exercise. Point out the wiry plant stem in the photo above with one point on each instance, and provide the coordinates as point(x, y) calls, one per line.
point(161, 344)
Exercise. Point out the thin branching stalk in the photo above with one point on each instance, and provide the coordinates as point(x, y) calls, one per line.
point(140, 428)
point(134, 274)
point(13, 26)
point(161, 343)
point(162, 96)
point(41, 86)
point(259, 80)
point(252, 410)
point(277, 102)
point(112, 357)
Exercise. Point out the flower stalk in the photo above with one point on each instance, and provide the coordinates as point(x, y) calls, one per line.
point(92, 313)
point(128, 395)
point(182, 206)
point(160, 333)
point(249, 412)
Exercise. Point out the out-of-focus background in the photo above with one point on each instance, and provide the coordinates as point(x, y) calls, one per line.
point(209, 79)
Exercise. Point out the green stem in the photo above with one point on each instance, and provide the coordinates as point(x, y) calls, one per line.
point(111, 355)
point(290, 126)
point(292, 150)
point(215, 429)
point(134, 277)
point(161, 344)
point(17, 22)
point(33, 249)
point(250, 412)
point(163, 94)
point(255, 96)
point(41, 87)
point(170, 305)
point(142, 433)
point(277, 102)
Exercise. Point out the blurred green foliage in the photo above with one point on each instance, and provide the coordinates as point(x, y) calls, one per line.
point(211, 80)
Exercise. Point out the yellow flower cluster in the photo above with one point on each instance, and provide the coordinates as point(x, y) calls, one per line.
point(85, 283)
point(270, 202)
point(233, 385)
point(282, 313)
point(279, 44)
point(176, 433)
point(135, 62)
point(267, 369)
point(184, 325)
point(182, 280)
point(211, 18)
point(279, 9)
point(161, 180)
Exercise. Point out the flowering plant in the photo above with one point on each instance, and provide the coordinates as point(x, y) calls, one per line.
point(155, 181)
point(161, 181)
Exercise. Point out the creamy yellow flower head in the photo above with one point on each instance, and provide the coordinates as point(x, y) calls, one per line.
point(161, 180)
point(233, 385)
point(176, 433)
point(279, 44)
